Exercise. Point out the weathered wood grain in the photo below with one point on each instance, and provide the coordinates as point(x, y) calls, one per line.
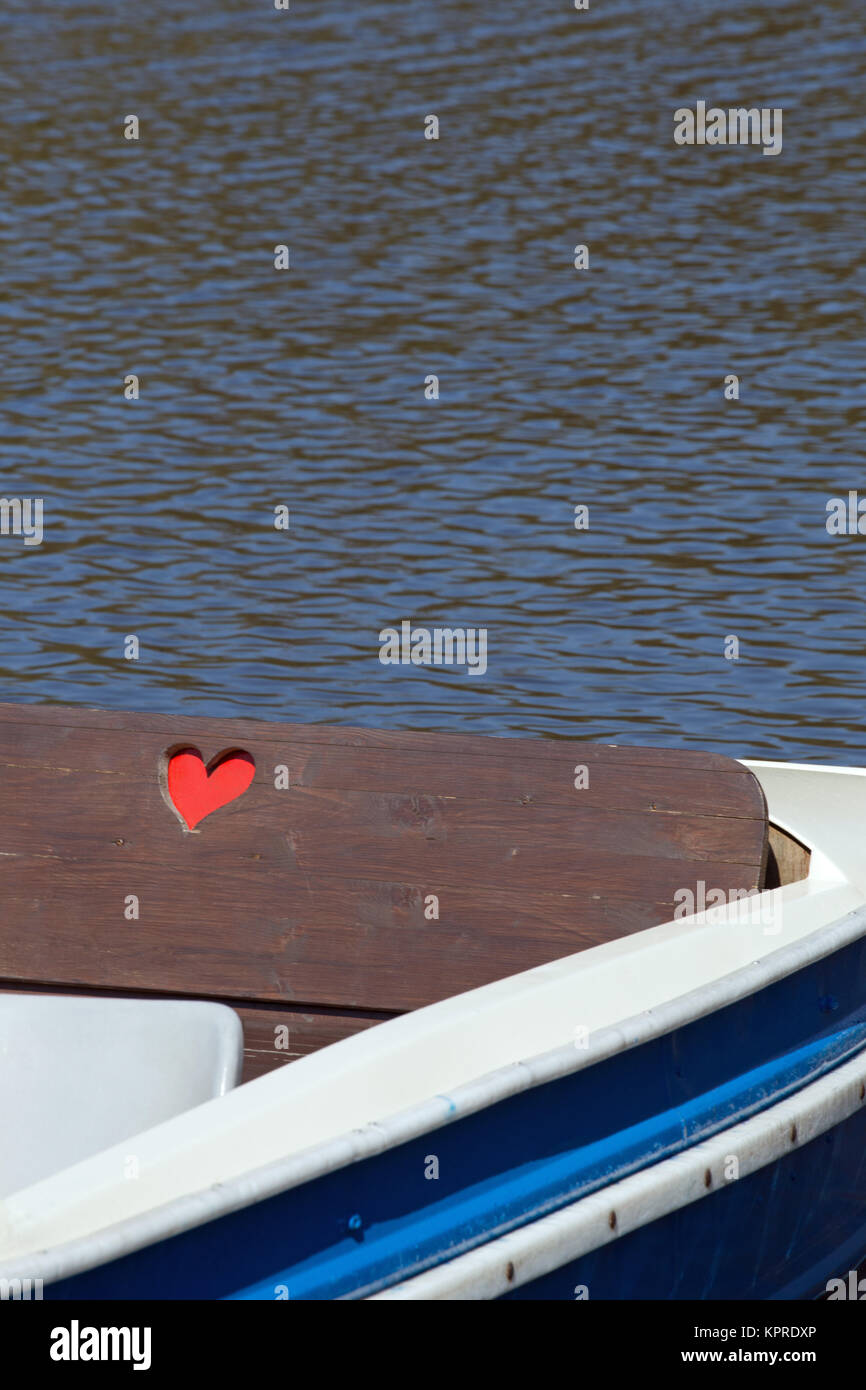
point(274, 1037)
point(318, 896)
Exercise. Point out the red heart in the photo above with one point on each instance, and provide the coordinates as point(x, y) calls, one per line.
point(196, 790)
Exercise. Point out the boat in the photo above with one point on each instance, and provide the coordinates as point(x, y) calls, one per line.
point(675, 1108)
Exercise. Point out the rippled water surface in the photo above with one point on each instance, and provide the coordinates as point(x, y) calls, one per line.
point(410, 257)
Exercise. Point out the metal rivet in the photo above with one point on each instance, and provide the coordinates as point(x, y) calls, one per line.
point(355, 1222)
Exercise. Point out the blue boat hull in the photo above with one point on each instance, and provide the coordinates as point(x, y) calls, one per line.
point(781, 1232)
point(388, 1217)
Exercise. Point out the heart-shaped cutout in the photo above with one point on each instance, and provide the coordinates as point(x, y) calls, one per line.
point(195, 790)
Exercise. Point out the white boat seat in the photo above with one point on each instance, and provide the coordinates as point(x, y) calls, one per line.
point(80, 1074)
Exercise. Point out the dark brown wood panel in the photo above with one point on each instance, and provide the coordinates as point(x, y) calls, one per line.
point(496, 776)
point(274, 1037)
point(321, 894)
point(371, 943)
point(69, 719)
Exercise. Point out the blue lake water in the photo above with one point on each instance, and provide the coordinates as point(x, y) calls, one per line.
point(412, 257)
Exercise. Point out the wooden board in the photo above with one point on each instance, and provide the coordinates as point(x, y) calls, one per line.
point(394, 869)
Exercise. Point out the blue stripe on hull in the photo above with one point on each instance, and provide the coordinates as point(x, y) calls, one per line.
point(781, 1232)
point(380, 1220)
